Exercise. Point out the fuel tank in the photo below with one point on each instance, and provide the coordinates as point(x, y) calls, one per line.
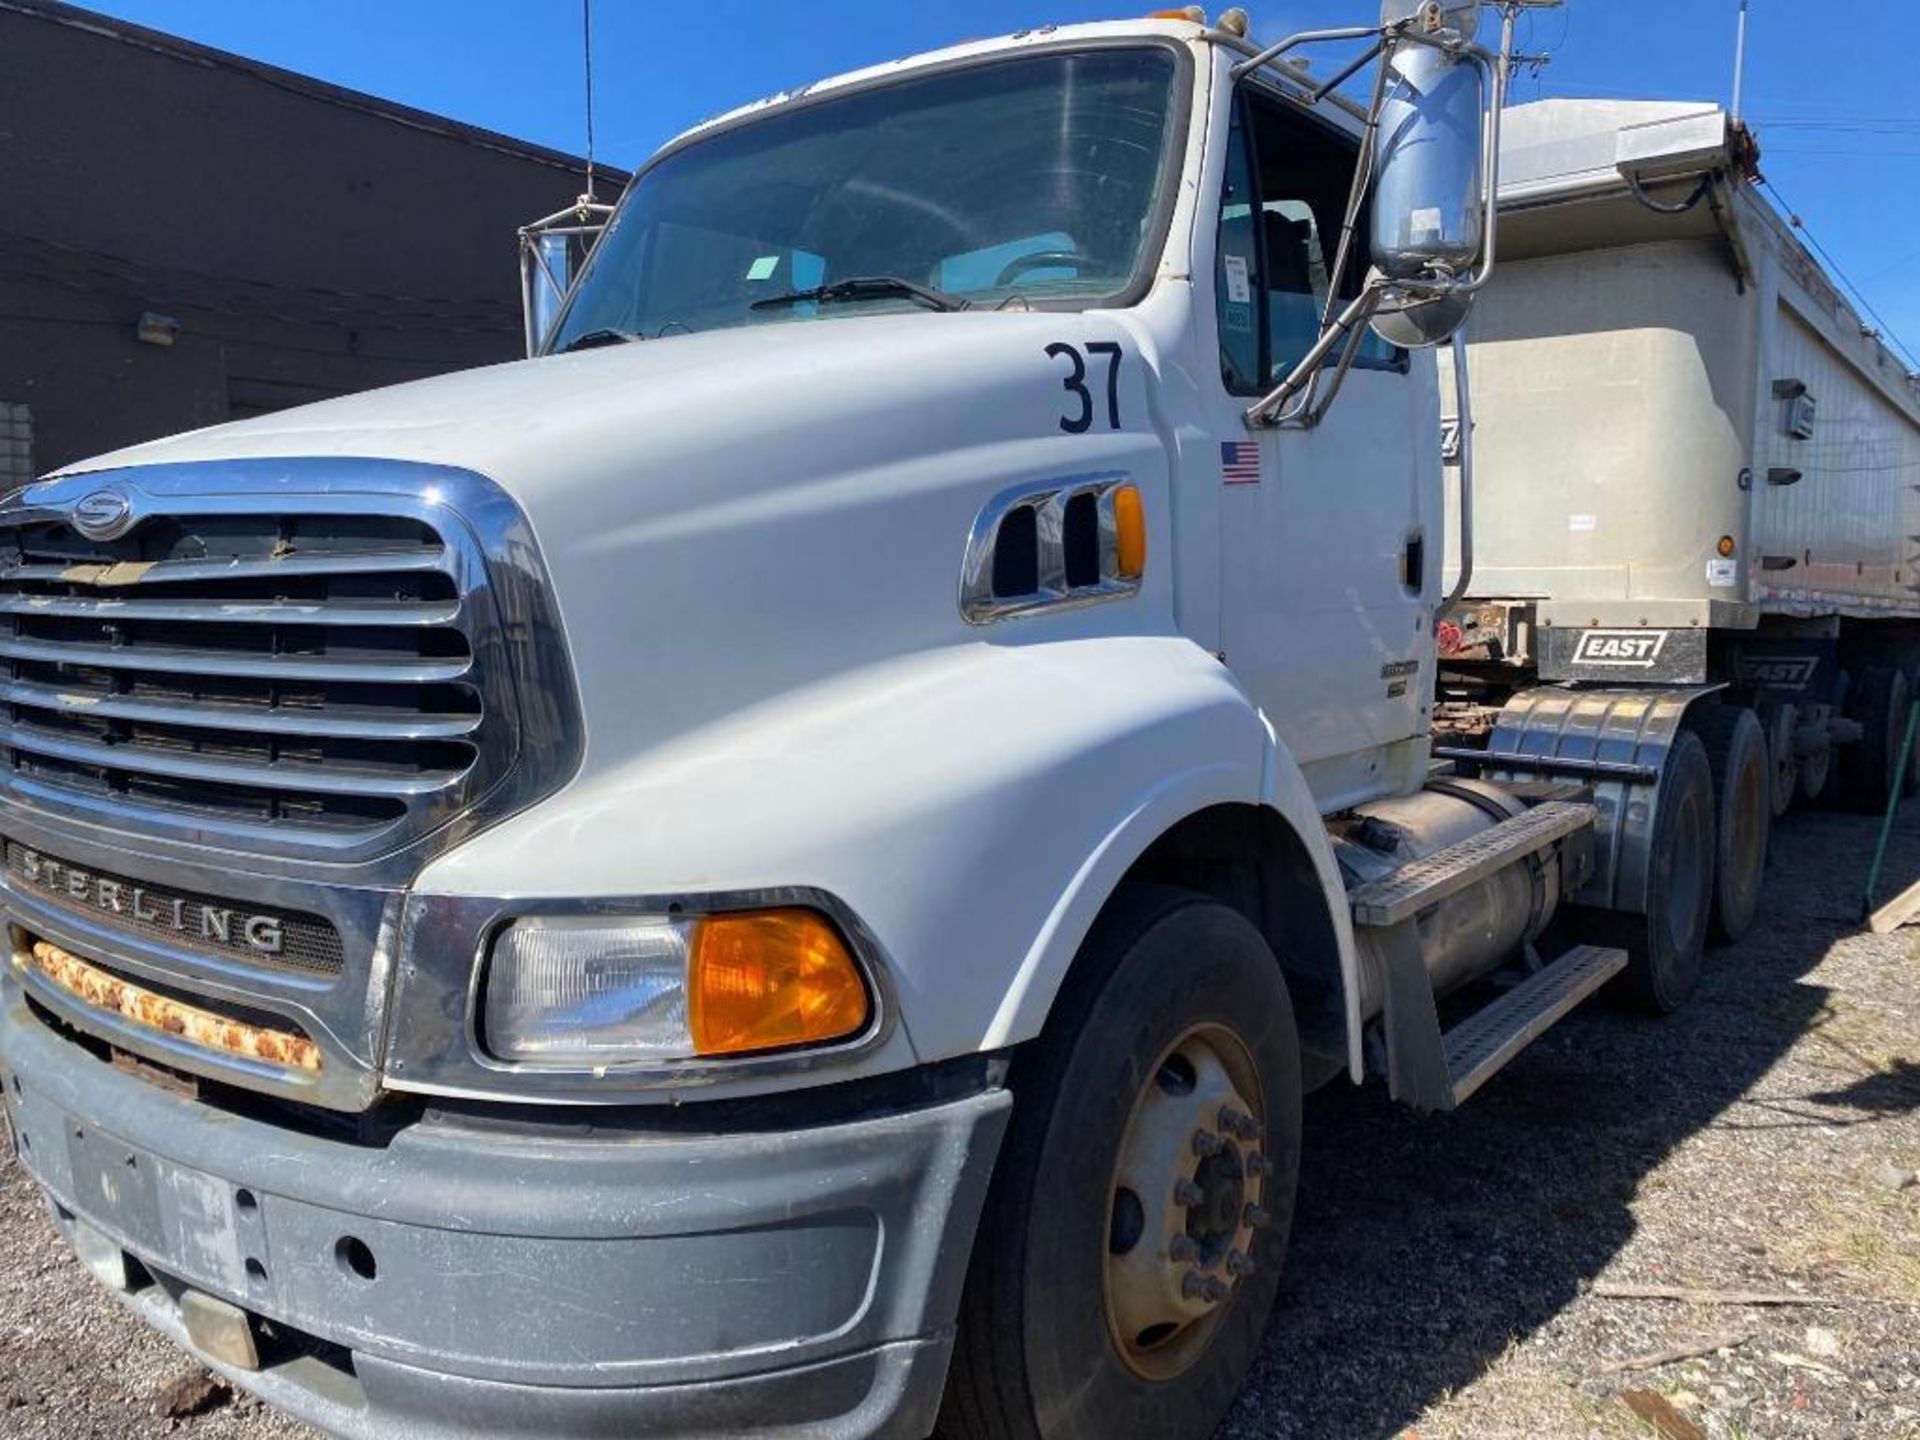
point(1467, 934)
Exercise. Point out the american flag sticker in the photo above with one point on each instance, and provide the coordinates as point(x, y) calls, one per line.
point(1240, 462)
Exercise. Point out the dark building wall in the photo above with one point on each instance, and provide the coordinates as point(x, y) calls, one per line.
point(309, 241)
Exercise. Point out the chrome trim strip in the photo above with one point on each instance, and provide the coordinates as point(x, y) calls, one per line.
point(329, 779)
point(342, 721)
point(172, 572)
point(168, 660)
point(242, 612)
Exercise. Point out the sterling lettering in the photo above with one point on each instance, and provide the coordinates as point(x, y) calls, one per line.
point(222, 925)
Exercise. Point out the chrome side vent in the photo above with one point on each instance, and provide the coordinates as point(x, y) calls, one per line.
point(1041, 548)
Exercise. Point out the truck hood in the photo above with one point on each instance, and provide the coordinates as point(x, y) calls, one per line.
point(540, 427)
point(730, 516)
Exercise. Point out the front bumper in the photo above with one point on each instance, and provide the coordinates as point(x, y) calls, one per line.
point(558, 1282)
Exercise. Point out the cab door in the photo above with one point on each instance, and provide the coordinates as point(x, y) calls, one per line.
point(1329, 541)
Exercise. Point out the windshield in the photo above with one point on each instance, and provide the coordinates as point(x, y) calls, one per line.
point(1037, 178)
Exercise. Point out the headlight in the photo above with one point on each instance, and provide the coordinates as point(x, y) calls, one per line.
point(614, 990)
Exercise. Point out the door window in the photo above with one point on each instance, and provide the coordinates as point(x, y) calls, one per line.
point(1283, 202)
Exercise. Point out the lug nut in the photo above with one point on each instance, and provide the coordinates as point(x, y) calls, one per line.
point(1213, 1289)
point(1193, 1286)
point(1238, 1265)
point(1259, 1166)
point(1239, 1125)
point(1182, 1249)
point(1186, 1193)
point(1206, 1143)
point(1258, 1217)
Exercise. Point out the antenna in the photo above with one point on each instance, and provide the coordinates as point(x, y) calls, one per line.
point(586, 46)
point(1740, 62)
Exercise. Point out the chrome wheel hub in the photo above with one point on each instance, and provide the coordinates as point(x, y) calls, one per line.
point(1185, 1202)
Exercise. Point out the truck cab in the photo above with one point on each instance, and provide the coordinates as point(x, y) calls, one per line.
point(785, 863)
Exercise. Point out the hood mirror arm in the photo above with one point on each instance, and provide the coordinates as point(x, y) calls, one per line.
point(586, 219)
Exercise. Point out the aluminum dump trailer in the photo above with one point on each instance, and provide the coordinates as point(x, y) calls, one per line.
point(1695, 462)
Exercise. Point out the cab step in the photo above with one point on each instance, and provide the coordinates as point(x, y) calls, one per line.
point(1434, 1070)
point(1411, 889)
point(1486, 1040)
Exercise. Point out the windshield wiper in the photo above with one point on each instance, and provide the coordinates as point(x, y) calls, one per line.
point(593, 339)
point(866, 287)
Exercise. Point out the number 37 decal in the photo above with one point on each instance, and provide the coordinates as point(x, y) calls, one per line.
point(1080, 419)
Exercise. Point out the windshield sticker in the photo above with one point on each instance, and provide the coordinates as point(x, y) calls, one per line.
point(763, 268)
point(1239, 286)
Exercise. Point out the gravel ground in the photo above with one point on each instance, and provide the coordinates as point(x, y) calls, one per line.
point(1449, 1274)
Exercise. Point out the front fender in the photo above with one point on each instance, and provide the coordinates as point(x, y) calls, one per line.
point(974, 806)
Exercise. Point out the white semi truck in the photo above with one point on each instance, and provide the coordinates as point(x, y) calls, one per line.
point(783, 866)
point(1696, 464)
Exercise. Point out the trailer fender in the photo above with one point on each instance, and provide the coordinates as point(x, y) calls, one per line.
point(1617, 741)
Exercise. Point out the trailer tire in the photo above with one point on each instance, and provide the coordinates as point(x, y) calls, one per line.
point(1165, 977)
point(1879, 702)
point(1783, 762)
point(1743, 815)
point(1665, 945)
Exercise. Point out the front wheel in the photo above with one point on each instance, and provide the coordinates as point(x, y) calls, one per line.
point(1133, 1240)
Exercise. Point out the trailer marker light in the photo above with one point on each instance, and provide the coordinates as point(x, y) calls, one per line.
point(1726, 547)
point(1130, 531)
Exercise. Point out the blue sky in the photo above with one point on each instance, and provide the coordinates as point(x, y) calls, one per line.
point(1831, 91)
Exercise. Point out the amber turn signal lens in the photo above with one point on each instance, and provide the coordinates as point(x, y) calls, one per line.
point(1130, 532)
point(1726, 547)
point(770, 979)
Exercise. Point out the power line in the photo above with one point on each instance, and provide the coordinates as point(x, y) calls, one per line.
point(1886, 331)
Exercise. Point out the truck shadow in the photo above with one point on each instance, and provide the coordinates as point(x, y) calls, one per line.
point(1423, 1247)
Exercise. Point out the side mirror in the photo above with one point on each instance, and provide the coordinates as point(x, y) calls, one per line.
point(552, 250)
point(1430, 160)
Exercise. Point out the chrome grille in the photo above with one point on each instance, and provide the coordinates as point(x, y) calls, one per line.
point(303, 673)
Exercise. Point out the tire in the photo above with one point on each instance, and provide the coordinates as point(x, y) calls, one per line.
point(1816, 775)
point(1039, 1354)
point(1879, 702)
point(1782, 761)
point(1742, 815)
point(1665, 946)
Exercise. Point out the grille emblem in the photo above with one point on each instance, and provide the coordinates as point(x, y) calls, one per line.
point(103, 515)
